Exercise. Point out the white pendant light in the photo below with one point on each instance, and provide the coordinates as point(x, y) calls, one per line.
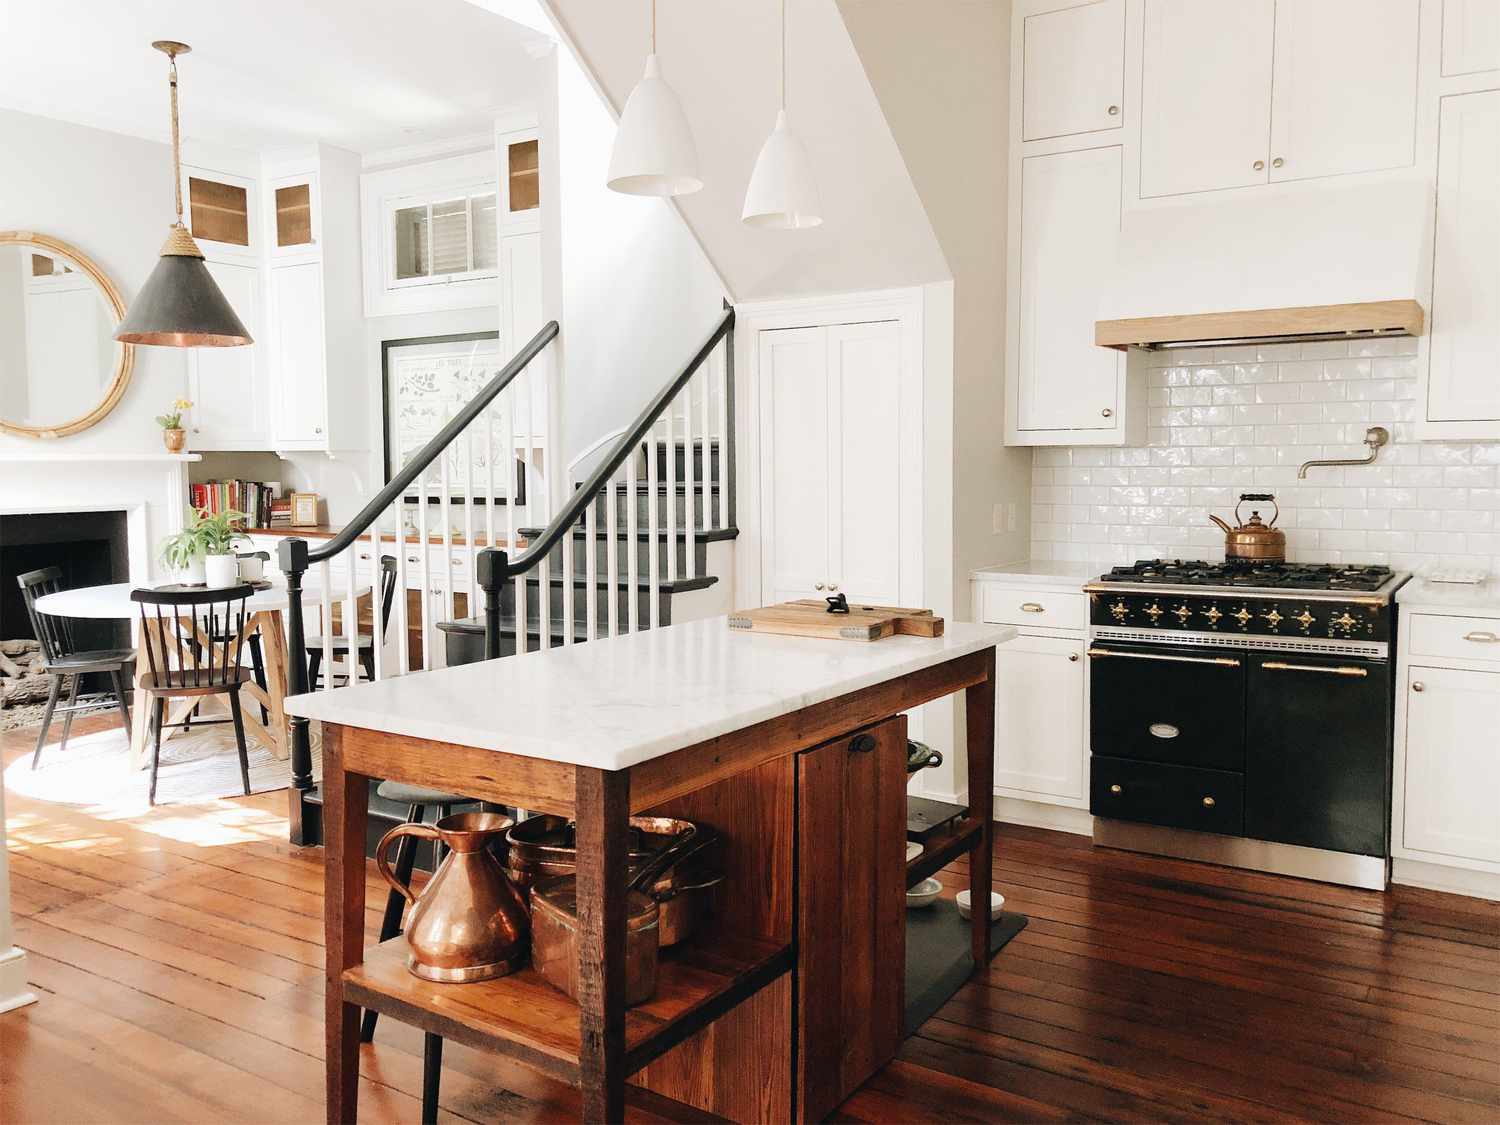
point(782, 194)
point(654, 152)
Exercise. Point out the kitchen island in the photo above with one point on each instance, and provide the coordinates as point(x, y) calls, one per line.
point(792, 748)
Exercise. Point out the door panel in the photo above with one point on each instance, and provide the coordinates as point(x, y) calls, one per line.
point(1345, 87)
point(229, 407)
point(299, 375)
point(1317, 759)
point(1070, 221)
point(1452, 771)
point(794, 381)
point(1205, 95)
point(1153, 705)
point(1075, 70)
point(864, 411)
point(1039, 742)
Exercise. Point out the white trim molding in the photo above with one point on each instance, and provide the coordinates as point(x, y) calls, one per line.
point(13, 986)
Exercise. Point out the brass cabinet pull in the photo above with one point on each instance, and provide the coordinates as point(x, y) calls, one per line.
point(1208, 802)
point(1277, 163)
point(1259, 165)
point(1222, 661)
point(1032, 607)
point(1163, 730)
point(1115, 789)
point(1336, 670)
point(1073, 657)
point(1418, 685)
point(1483, 637)
point(1106, 413)
point(1114, 111)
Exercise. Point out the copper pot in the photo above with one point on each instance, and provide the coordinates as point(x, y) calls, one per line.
point(1254, 540)
point(470, 922)
point(554, 924)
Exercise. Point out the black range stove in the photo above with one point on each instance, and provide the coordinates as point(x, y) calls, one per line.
point(1241, 713)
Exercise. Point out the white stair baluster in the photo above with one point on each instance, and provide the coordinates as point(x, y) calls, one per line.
point(719, 369)
point(475, 609)
point(567, 569)
point(424, 560)
point(632, 550)
point(671, 454)
point(690, 478)
point(377, 626)
point(653, 562)
point(325, 589)
point(705, 463)
point(351, 618)
point(403, 622)
point(590, 606)
point(612, 556)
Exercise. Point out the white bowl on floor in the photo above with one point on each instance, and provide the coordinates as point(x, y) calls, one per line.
point(997, 904)
point(924, 893)
point(913, 849)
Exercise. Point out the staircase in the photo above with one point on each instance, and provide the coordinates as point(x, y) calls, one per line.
point(645, 540)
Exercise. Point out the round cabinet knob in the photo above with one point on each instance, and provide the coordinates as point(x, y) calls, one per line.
point(1277, 163)
point(1116, 789)
point(1072, 658)
point(1259, 165)
point(1106, 413)
point(1114, 111)
point(317, 429)
point(1208, 802)
point(833, 588)
point(817, 585)
point(1418, 685)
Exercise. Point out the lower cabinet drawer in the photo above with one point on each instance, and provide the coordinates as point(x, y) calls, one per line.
point(1172, 796)
point(1457, 638)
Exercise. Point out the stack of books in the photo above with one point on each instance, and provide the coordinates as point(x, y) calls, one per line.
point(257, 499)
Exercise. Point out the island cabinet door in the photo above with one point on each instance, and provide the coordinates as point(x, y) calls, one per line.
point(851, 912)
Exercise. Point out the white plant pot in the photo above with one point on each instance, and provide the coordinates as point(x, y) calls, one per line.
point(252, 569)
point(190, 575)
point(221, 571)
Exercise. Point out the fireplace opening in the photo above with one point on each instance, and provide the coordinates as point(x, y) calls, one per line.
point(91, 548)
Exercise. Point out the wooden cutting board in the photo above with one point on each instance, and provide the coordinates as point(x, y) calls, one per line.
point(810, 618)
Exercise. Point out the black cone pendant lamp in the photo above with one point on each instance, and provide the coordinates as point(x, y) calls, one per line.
point(180, 306)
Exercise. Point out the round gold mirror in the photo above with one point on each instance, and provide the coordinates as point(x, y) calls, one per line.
point(61, 369)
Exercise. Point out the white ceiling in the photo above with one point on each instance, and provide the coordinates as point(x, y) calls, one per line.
point(721, 58)
point(360, 74)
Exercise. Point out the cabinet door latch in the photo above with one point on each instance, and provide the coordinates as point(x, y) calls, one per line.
point(862, 743)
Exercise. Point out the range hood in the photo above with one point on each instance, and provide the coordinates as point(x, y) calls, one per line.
point(1286, 263)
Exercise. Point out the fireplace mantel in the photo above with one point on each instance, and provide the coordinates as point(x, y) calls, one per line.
point(49, 455)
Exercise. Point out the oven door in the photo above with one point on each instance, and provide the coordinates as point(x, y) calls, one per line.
point(1179, 705)
point(1318, 756)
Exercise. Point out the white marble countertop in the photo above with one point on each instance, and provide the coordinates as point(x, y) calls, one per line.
point(1482, 598)
point(1042, 572)
point(611, 704)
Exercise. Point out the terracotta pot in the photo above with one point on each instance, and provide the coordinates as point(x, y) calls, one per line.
point(174, 440)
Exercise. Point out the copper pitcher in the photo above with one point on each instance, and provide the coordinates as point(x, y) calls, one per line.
point(470, 922)
point(1253, 540)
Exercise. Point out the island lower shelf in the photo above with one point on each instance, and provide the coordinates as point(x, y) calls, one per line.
point(525, 1018)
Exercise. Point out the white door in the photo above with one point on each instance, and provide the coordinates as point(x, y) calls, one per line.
point(1464, 379)
point(1345, 87)
point(1471, 36)
point(864, 447)
point(794, 457)
point(1205, 95)
point(230, 401)
point(298, 370)
point(1039, 718)
point(1070, 218)
point(1074, 70)
point(1452, 771)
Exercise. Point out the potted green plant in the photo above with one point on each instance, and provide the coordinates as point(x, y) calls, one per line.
point(203, 552)
point(172, 433)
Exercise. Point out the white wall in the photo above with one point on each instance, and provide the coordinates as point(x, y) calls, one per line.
point(111, 196)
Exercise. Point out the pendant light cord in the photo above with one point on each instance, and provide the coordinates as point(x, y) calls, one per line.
point(783, 56)
point(176, 142)
point(653, 27)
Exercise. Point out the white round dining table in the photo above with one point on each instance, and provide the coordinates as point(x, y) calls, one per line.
point(112, 601)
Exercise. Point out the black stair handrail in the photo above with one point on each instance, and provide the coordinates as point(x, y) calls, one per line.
point(294, 557)
point(494, 567)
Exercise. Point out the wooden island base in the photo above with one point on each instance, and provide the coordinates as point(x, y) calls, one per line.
point(791, 993)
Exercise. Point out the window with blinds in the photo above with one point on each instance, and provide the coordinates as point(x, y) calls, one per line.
point(444, 238)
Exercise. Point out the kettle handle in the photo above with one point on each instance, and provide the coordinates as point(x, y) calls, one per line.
point(1261, 496)
point(382, 860)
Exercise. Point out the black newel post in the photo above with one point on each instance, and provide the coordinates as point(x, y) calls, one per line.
point(490, 567)
point(291, 556)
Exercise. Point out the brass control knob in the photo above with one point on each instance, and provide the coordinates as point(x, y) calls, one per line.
point(1116, 789)
point(1208, 802)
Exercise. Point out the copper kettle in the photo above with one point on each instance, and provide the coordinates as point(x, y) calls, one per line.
point(1254, 540)
point(470, 921)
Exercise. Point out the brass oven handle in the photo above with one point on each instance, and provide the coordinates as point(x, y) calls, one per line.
point(1337, 670)
point(1223, 661)
point(1032, 607)
point(1482, 636)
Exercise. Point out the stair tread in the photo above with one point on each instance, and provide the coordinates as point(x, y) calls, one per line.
point(474, 626)
point(712, 535)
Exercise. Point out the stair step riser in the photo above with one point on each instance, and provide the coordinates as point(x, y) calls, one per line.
point(622, 560)
point(643, 501)
point(580, 606)
point(681, 458)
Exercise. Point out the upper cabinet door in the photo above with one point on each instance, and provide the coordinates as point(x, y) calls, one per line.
point(299, 372)
point(229, 399)
point(1205, 95)
point(1345, 87)
point(1471, 36)
point(1465, 348)
point(1074, 70)
point(1070, 206)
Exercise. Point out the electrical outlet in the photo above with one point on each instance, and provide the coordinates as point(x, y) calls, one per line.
point(997, 519)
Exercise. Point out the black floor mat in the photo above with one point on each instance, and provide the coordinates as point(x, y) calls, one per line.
point(938, 960)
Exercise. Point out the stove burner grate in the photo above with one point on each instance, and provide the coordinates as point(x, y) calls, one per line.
point(1276, 576)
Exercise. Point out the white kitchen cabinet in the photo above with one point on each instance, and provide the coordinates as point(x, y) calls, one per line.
point(1452, 791)
point(833, 454)
point(1237, 93)
point(299, 362)
point(1074, 60)
point(1463, 389)
point(227, 386)
point(1471, 36)
point(1061, 388)
point(1205, 94)
point(1344, 91)
point(1040, 748)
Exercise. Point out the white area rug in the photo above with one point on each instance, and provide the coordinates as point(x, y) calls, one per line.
point(200, 764)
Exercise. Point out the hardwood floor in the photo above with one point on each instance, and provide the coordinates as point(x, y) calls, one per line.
point(179, 958)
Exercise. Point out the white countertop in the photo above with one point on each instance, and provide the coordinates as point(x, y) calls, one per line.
point(1042, 572)
point(615, 703)
point(1451, 597)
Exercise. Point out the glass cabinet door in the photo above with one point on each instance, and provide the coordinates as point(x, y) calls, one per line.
point(523, 175)
point(294, 218)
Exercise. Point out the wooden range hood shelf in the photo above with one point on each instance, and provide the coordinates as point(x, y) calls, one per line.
point(1311, 322)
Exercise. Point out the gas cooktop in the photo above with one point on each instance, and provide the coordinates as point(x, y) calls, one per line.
point(1252, 575)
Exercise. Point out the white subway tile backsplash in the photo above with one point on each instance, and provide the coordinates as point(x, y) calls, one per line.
point(1222, 421)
